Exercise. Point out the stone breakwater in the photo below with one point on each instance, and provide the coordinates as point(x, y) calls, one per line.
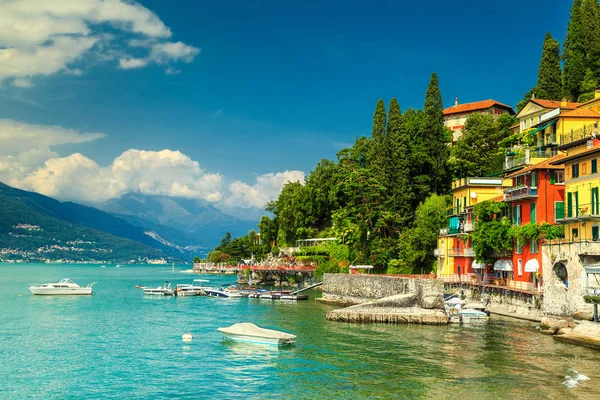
point(384, 299)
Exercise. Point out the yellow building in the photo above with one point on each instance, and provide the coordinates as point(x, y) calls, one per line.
point(531, 114)
point(456, 116)
point(466, 193)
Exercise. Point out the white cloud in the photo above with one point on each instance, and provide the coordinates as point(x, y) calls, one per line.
point(28, 161)
point(45, 37)
point(22, 83)
point(131, 63)
point(266, 188)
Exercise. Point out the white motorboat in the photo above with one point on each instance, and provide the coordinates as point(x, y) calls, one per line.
point(458, 314)
point(164, 290)
point(64, 287)
point(187, 290)
point(468, 315)
point(248, 332)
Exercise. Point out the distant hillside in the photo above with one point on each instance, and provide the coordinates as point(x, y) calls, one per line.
point(185, 222)
point(35, 227)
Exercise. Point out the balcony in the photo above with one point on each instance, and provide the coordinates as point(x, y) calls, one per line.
point(520, 192)
point(455, 211)
point(469, 227)
point(582, 212)
point(466, 252)
point(477, 280)
point(469, 252)
point(444, 232)
point(524, 156)
point(578, 136)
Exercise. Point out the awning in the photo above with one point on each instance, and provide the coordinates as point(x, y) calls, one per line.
point(503, 265)
point(477, 265)
point(536, 130)
point(532, 265)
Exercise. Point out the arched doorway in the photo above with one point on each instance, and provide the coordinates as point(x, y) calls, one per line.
point(560, 271)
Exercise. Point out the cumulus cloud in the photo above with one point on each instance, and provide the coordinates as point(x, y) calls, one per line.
point(266, 188)
point(45, 37)
point(28, 161)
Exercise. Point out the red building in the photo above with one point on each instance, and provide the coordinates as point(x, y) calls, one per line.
point(537, 193)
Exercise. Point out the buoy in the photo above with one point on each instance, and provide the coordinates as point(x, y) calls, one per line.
point(187, 337)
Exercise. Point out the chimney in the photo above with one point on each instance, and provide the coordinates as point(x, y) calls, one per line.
point(456, 102)
point(563, 102)
point(532, 96)
point(597, 94)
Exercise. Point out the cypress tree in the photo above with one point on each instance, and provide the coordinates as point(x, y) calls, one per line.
point(574, 54)
point(401, 192)
point(549, 84)
point(435, 138)
point(379, 120)
point(590, 25)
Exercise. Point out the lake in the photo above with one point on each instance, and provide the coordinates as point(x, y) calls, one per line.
point(120, 343)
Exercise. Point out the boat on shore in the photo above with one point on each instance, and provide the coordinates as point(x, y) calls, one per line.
point(459, 314)
point(64, 287)
point(164, 290)
point(248, 332)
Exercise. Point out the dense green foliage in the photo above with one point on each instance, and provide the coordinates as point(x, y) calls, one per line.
point(549, 83)
point(492, 231)
point(478, 151)
point(234, 250)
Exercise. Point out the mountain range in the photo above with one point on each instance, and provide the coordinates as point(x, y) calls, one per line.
point(134, 227)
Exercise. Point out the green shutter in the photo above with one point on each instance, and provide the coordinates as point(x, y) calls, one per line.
point(532, 216)
point(559, 210)
point(514, 215)
point(595, 233)
point(576, 204)
point(552, 177)
point(569, 205)
point(595, 203)
point(594, 166)
point(534, 179)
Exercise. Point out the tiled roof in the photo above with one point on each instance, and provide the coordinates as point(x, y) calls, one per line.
point(550, 163)
point(470, 107)
point(498, 198)
point(595, 149)
point(555, 104)
point(581, 112)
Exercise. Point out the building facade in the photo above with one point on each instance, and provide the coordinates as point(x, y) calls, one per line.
point(456, 116)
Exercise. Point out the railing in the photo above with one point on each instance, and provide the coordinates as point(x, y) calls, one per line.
point(583, 211)
point(511, 162)
point(469, 252)
point(520, 192)
point(469, 227)
point(492, 282)
point(456, 210)
point(444, 232)
point(586, 132)
point(464, 252)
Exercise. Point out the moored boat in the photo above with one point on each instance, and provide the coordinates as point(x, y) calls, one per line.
point(164, 290)
point(187, 290)
point(248, 332)
point(64, 287)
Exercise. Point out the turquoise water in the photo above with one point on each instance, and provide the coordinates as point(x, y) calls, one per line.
point(119, 343)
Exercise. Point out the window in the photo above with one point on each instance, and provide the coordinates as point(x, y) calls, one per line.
point(584, 168)
point(518, 180)
point(516, 215)
point(533, 246)
point(518, 248)
point(569, 204)
point(596, 233)
point(574, 233)
point(594, 168)
point(520, 267)
point(560, 177)
point(559, 210)
point(534, 179)
point(531, 122)
point(595, 202)
point(532, 216)
point(575, 171)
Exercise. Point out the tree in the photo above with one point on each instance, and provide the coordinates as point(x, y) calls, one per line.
point(379, 120)
point(574, 54)
point(418, 242)
point(521, 104)
point(477, 152)
point(268, 230)
point(290, 209)
point(549, 83)
point(433, 147)
point(399, 188)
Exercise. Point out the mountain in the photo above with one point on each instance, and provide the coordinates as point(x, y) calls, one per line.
point(184, 222)
point(37, 227)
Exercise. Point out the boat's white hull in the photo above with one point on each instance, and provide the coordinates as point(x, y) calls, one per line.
point(259, 340)
point(49, 291)
point(188, 293)
point(158, 292)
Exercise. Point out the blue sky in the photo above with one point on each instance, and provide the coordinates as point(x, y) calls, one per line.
point(272, 86)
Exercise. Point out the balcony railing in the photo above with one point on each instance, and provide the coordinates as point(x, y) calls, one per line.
point(525, 156)
point(492, 282)
point(469, 252)
point(520, 192)
point(587, 132)
point(464, 252)
point(469, 227)
point(456, 210)
point(582, 211)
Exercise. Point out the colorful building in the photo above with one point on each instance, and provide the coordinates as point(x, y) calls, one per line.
point(456, 116)
point(536, 190)
point(454, 252)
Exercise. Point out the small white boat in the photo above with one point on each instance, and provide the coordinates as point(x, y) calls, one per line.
point(248, 332)
point(459, 315)
point(64, 287)
point(468, 315)
point(187, 290)
point(164, 290)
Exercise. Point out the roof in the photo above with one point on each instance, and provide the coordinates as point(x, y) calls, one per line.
point(551, 163)
point(478, 105)
point(555, 103)
point(497, 198)
point(581, 112)
point(595, 149)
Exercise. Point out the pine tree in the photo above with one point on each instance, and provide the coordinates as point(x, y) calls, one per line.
point(590, 25)
point(379, 120)
point(401, 192)
point(574, 54)
point(549, 84)
point(435, 138)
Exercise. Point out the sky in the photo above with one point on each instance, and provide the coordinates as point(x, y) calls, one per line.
point(226, 101)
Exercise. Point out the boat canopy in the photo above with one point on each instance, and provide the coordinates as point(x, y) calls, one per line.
point(532, 265)
point(503, 265)
point(249, 329)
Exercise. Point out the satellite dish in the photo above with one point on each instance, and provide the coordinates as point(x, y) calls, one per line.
point(473, 195)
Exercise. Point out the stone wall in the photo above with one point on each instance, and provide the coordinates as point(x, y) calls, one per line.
point(560, 298)
point(356, 289)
